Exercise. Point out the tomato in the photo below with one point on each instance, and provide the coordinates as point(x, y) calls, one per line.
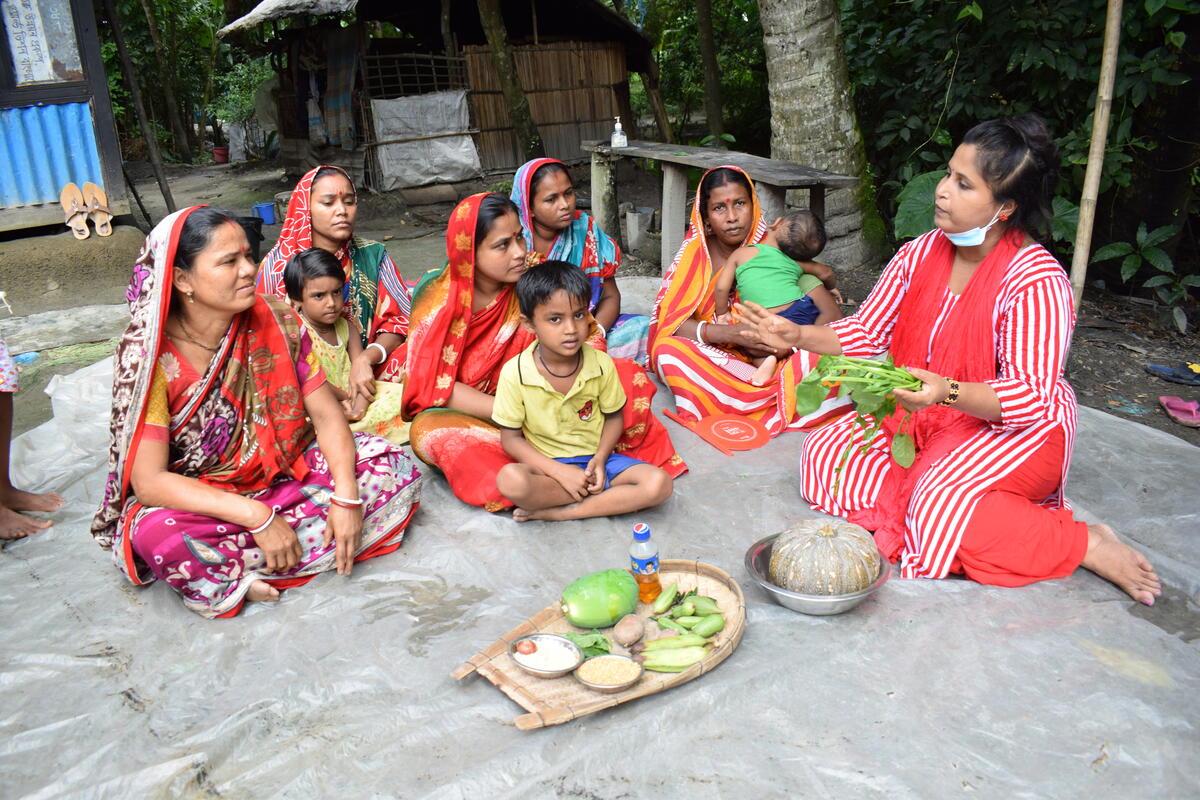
point(526, 646)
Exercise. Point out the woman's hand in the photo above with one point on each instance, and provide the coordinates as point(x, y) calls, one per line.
point(344, 525)
point(280, 545)
point(768, 332)
point(934, 389)
point(362, 374)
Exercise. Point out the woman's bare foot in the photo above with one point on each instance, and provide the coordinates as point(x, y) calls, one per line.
point(28, 501)
point(18, 526)
point(522, 515)
point(1110, 558)
point(262, 592)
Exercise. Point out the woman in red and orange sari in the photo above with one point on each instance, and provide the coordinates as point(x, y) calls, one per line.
point(465, 326)
point(701, 361)
point(215, 482)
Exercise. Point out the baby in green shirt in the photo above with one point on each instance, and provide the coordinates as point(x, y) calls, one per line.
point(780, 275)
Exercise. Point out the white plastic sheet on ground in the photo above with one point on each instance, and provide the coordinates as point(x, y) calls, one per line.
point(445, 159)
point(930, 689)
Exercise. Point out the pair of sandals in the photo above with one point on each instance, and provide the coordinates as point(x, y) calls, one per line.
point(79, 205)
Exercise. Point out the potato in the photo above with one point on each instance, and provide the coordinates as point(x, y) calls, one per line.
point(628, 630)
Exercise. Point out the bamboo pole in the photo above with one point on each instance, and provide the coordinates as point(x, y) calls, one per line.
point(1091, 180)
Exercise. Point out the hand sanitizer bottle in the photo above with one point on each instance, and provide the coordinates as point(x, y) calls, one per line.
point(618, 135)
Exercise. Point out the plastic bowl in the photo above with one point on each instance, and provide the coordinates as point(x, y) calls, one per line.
point(758, 560)
point(549, 640)
point(610, 688)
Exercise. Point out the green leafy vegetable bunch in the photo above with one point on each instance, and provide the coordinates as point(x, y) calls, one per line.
point(871, 386)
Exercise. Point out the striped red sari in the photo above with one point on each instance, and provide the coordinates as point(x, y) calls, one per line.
point(709, 380)
point(929, 521)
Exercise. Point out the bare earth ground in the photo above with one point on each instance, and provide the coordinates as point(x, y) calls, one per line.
point(48, 269)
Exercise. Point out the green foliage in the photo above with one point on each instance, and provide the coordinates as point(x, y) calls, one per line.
point(234, 98)
point(712, 141)
point(1065, 222)
point(914, 214)
point(188, 29)
point(671, 26)
point(1144, 252)
point(871, 387)
point(925, 71)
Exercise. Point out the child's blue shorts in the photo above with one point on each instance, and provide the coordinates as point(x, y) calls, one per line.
point(614, 466)
point(802, 312)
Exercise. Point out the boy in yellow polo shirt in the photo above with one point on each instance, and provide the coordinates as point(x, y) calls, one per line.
point(559, 405)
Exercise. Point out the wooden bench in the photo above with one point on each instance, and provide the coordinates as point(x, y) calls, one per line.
point(772, 179)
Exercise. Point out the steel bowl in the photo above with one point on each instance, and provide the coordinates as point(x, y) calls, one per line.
point(758, 561)
point(611, 688)
point(552, 639)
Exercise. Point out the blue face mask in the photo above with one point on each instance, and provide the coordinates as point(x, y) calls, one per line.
point(974, 236)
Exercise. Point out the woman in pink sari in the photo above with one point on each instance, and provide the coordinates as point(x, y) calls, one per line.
point(215, 483)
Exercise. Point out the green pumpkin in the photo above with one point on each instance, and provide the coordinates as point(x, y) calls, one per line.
point(600, 599)
point(825, 557)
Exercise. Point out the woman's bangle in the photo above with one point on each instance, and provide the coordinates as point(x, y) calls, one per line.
point(603, 330)
point(264, 526)
point(345, 502)
point(382, 350)
point(951, 398)
point(700, 332)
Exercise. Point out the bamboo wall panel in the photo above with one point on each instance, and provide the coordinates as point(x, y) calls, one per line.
point(571, 87)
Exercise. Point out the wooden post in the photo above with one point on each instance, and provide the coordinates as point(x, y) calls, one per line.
point(447, 31)
point(135, 92)
point(771, 201)
point(1091, 179)
point(674, 211)
point(604, 195)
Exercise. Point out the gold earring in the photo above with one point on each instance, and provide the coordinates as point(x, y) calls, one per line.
point(191, 297)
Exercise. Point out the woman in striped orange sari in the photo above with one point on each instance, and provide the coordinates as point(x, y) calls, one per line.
point(700, 360)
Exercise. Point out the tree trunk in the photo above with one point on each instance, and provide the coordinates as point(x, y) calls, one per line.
point(167, 80)
point(650, 81)
point(202, 125)
point(510, 82)
point(712, 72)
point(813, 120)
point(447, 31)
point(135, 92)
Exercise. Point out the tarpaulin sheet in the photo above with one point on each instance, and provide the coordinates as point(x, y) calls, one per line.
point(929, 689)
point(444, 159)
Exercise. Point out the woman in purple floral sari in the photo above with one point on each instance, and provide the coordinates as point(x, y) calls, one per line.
point(218, 482)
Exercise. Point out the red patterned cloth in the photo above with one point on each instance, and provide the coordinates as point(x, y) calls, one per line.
point(449, 343)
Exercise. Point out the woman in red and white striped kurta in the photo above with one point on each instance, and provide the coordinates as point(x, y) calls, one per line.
point(979, 301)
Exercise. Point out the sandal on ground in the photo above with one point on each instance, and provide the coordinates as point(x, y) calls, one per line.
point(1185, 412)
point(1184, 372)
point(97, 207)
point(75, 211)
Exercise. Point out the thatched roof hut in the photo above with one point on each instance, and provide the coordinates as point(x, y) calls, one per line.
point(573, 58)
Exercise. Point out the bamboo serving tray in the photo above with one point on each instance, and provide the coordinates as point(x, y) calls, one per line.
point(553, 701)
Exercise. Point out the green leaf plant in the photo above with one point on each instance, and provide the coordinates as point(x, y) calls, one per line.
point(1169, 286)
point(871, 386)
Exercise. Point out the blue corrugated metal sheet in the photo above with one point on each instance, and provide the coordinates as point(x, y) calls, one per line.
point(44, 148)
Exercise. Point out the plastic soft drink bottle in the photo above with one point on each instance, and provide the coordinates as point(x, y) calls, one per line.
point(643, 563)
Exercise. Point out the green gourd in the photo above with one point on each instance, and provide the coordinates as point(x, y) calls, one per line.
point(824, 557)
point(600, 599)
